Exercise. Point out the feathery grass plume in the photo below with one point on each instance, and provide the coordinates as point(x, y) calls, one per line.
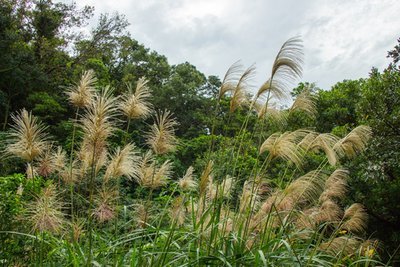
point(150, 175)
point(289, 60)
point(285, 146)
point(162, 175)
point(307, 188)
point(225, 227)
point(231, 79)
point(146, 169)
point(260, 108)
point(286, 69)
point(270, 111)
point(187, 183)
point(105, 201)
point(272, 89)
point(81, 94)
point(44, 213)
point(30, 171)
point(20, 190)
point(326, 142)
point(354, 142)
point(341, 246)
point(335, 185)
point(122, 163)
point(355, 218)
point(306, 218)
point(280, 211)
point(142, 215)
point(263, 187)
point(225, 222)
point(135, 104)
point(212, 188)
point(308, 140)
point(205, 178)
point(328, 212)
point(59, 158)
point(97, 122)
point(45, 164)
point(88, 156)
point(303, 191)
point(178, 211)
point(275, 201)
point(162, 138)
point(27, 138)
point(240, 94)
point(249, 200)
point(226, 186)
point(221, 190)
point(305, 102)
point(77, 229)
point(68, 174)
point(98, 125)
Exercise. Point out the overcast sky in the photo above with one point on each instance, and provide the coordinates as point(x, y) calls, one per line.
point(342, 39)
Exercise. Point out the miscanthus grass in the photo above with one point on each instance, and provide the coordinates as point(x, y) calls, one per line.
point(215, 216)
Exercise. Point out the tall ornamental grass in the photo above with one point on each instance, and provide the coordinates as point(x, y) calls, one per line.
point(206, 217)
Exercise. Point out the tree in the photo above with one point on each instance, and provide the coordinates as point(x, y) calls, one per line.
point(182, 95)
point(337, 107)
point(394, 54)
point(377, 183)
point(34, 38)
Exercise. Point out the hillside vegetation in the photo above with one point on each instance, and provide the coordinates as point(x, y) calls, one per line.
point(112, 156)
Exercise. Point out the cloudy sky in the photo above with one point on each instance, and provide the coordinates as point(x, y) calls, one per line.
point(342, 39)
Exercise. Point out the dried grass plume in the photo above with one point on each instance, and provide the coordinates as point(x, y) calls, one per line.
point(81, 94)
point(44, 213)
point(136, 104)
point(162, 138)
point(27, 138)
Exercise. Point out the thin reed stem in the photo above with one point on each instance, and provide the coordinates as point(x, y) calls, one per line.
point(71, 156)
point(90, 211)
point(212, 141)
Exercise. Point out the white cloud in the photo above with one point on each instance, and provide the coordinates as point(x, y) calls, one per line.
point(343, 39)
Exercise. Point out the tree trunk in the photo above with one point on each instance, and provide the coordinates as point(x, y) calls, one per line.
point(6, 113)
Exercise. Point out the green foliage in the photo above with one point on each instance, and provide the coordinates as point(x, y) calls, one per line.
point(33, 61)
point(378, 177)
point(136, 61)
point(15, 192)
point(46, 107)
point(379, 105)
point(36, 38)
point(181, 93)
point(101, 70)
point(375, 102)
point(337, 106)
point(11, 204)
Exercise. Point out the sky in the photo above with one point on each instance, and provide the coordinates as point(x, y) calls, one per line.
point(342, 39)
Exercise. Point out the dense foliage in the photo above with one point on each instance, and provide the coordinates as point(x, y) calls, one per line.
point(125, 159)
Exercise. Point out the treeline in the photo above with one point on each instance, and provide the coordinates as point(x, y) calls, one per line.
point(44, 52)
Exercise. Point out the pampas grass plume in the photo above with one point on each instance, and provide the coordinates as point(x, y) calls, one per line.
point(124, 162)
point(162, 138)
point(187, 183)
point(44, 213)
point(81, 94)
point(28, 139)
point(135, 105)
